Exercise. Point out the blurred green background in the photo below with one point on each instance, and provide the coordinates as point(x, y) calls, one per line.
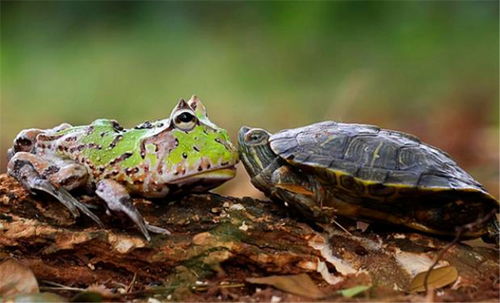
point(428, 68)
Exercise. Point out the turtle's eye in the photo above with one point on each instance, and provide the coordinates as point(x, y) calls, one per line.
point(256, 137)
point(185, 120)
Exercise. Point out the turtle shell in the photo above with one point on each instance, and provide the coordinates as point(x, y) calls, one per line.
point(389, 175)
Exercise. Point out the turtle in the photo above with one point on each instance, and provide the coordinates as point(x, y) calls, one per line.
point(369, 174)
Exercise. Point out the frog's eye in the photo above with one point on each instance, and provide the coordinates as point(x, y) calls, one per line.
point(185, 120)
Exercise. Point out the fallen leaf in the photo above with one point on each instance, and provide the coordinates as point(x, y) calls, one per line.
point(300, 284)
point(415, 263)
point(354, 291)
point(342, 266)
point(438, 278)
point(16, 278)
point(331, 279)
point(362, 226)
point(125, 243)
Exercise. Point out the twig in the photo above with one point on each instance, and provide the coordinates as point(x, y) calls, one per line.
point(206, 287)
point(61, 288)
point(342, 227)
point(58, 286)
point(131, 285)
point(459, 232)
point(231, 285)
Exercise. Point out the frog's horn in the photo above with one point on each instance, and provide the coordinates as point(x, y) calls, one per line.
point(181, 105)
point(197, 106)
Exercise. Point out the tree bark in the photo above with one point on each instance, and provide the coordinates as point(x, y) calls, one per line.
point(217, 245)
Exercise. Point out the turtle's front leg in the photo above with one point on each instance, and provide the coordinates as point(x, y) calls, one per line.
point(118, 200)
point(36, 173)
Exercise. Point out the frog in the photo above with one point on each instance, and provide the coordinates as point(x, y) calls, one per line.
point(184, 153)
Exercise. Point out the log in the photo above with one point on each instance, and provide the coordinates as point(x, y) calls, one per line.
point(230, 249)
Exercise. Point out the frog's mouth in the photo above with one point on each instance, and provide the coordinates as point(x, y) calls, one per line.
point(216, 175)
point(220, 173)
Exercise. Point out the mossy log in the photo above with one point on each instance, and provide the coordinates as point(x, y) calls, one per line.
point(218, 244)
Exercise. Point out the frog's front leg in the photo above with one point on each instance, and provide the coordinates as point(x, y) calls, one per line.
point(37, 173)
point(117, 198)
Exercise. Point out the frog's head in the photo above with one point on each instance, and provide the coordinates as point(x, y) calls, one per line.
point(203, 154)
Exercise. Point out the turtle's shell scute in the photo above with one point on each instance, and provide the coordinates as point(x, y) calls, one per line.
point(372, 155)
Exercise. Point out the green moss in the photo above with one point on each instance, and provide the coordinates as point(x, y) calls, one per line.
point(229, 232)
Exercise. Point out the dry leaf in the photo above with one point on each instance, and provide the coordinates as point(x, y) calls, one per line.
point(16, 278)
point(362, 226)
point(438, 277)
point(300, 284)
point(342, 266)
point(415, 263)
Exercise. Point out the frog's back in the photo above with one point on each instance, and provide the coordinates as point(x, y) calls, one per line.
point(102, 146)
point(71, 141)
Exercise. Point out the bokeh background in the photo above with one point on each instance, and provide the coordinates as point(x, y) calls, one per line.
point(427, 68)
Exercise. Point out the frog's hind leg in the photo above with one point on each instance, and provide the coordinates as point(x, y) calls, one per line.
point(33, 171)
point(26, 139)
point(24, 142)
point(117, 198)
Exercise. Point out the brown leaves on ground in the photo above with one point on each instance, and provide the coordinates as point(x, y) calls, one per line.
point(438, 277)
point(300, 284)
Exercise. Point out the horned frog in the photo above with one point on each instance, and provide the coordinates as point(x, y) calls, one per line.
point(184, 153)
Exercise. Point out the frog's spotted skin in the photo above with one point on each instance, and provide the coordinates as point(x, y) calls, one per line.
point(184, 153)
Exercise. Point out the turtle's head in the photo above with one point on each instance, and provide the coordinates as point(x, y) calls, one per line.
point(255, 152)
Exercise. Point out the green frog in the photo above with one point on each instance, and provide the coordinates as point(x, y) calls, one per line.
point(181, 154)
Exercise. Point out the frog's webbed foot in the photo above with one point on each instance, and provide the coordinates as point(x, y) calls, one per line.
point(117, 199)
point(22, 167)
